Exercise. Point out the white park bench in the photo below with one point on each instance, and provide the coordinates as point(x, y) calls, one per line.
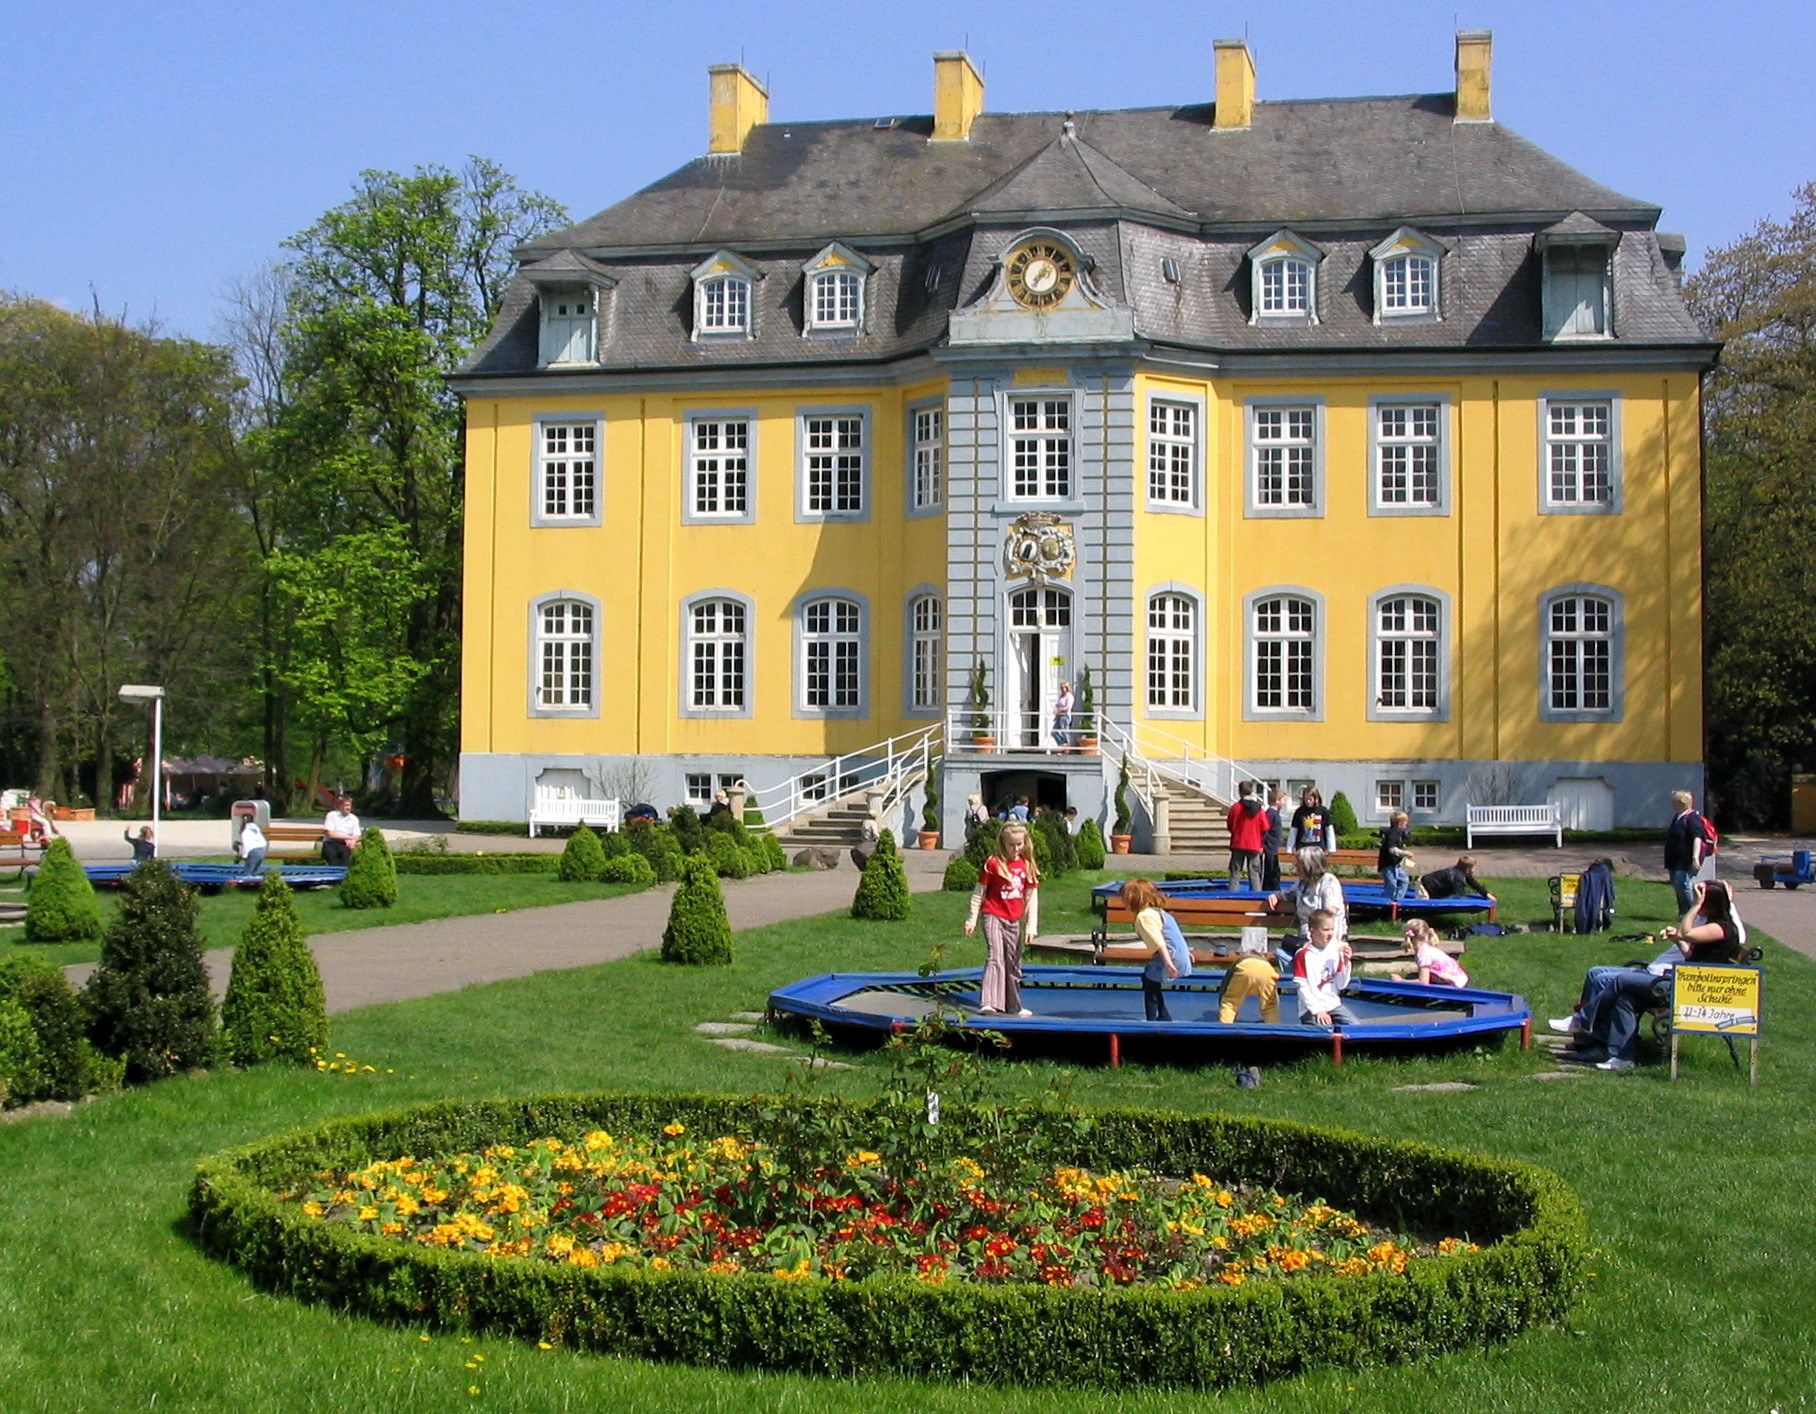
point(557, 805)
point(1513, 820)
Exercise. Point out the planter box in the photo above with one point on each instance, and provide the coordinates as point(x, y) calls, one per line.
point(71, 812)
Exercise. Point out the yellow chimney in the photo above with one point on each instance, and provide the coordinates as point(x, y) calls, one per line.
point(1235, 84)
point(1475, 52)
point(958, 95)
point(739, 103)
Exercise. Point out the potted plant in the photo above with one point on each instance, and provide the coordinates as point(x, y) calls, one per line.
point(982, 735)
point(1121, 841)
point(1087, 713)
point(929, 836)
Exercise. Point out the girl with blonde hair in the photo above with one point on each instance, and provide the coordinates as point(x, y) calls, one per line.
point(1007, 899)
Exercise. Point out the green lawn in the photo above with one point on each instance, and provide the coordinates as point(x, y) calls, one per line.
point(419, 897)
point(1695, 1192)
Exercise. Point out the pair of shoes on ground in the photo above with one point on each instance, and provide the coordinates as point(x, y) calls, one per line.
point(1566, 1025)
point(998, 1011)
point(1598, 1058)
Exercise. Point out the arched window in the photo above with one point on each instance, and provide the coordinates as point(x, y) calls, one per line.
point(837, 299)
point(1284, 649)
point(832, 655)
point(1581, 654)
point(1286, 286)
point(1040, 608)
point(724, 305)
point(926, 653)
point(717, 656)
point(1409, 632)
point(1172, 653)
point(565, 652)
point(1409, 285)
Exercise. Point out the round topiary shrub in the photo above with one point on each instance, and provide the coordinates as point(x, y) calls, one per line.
point(61, 906)
point(728, 860)
point(689, 832)
point(773, 852)
point(371, 880)
point(1090, 846)
point(631, 869)
point(583, 861)
point(698, 932)
point(274, 1008)
point(882, 894)
point(148, 999)
point(613, 845)
point(1309, 1282)
point(73, 1068)
point(961, 875)
point(23, 1075)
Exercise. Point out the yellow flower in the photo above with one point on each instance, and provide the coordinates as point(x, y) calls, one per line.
point(368, 1070)
point(312, 1209)
point(544, 1345)
point(659, 1264)
point(674, 1128)
point(367, 1213)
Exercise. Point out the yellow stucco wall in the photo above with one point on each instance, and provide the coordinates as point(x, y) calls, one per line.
point(1493, 555)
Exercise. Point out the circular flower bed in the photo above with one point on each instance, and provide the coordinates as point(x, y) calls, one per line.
point(1104, 1254)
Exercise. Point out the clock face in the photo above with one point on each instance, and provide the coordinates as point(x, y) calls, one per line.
point(1040, 274)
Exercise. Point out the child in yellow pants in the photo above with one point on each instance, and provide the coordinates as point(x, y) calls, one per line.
point(1252, 976)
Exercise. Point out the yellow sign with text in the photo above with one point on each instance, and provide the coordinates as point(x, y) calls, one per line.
point(1715, 1001)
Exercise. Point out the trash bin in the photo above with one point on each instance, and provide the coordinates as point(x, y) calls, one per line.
point(258, 811)
point(1803, 805)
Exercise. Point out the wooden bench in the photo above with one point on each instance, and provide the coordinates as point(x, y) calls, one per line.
point(18, 849)
point(310, 835)
point(1205, 913)
point(552, 805)
point(1513, 820)
point(1340, 858)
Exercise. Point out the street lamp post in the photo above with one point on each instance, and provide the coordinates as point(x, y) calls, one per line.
point(139, 692)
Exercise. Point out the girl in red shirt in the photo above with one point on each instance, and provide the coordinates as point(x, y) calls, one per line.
point(1007, 897)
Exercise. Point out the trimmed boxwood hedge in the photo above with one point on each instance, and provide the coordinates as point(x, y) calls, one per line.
point(478, 863)
point(1528, 1270)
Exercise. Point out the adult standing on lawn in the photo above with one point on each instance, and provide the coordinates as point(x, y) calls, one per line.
point(340, 832)
point(1684, 842)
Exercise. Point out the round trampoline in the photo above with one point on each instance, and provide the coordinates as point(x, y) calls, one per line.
point(1093, 1007)
point(212, 878)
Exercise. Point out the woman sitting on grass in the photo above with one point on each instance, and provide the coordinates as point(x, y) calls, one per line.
point(1606, 1020)
point(1168, 953)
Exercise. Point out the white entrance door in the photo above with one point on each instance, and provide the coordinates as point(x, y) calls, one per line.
point(1039, 656)
point(1587, 802)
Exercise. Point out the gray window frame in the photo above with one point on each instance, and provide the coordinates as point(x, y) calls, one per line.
point(685, 630)
point(694, 416)
point(1005, 400)
point(1378, 507)
point(1194, 597)
point(1617, 654)
point(914, 596)
point(534, 656)
point(1252, 508)
point(1616, 502)
point(1320, 631)
point(1446, 638)
point(538, 517)
point(797, 617)
point(867, 425)
point(913, 508)
point(1195, 506)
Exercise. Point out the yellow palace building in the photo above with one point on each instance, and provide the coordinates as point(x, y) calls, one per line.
point(1351, 441)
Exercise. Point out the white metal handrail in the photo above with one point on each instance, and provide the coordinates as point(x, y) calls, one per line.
point(914, 766)
point(1185, 761)
point(878, 764)
point(1014, 729)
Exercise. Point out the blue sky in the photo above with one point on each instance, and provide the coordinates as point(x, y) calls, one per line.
point(153, 153)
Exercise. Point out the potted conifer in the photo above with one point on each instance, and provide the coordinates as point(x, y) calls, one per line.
point(983, 736)
point(929, 835)
point(1087, 710)
point(1121, 841)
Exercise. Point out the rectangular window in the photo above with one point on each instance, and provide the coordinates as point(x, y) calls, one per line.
point(1286, 287)
point(926, 644)
point(1409, 453)
point(832, 465)
point(835, 300)
point(1576, 291)
point(1579, 452)
point(1171, 650)
point(927, 453)
point(1425, 795)
point(716, 656)
point(1389, 796)
point(718, 468)
point(699, 788)
point(567, 326)
point(725, 306)
point(567, 469)
point(1283, 646)
point(1040, 448)
point(1285, 457)
point(1172, 453)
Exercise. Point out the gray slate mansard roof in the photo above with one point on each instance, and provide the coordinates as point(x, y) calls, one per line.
point(1132, 186)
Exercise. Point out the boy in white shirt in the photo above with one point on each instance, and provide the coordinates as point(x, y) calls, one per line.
point(1321, 970)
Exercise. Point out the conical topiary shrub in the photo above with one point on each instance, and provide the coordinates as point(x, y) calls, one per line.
point(657, 844)
point(274, 1007)
point(1342, 816)
point(883, 891)
point(730, 861)
point(583, 861)
point(613, 845)
point(1062, 854)
point(148, 1000)
point(773, 852)
point(371, 880)
point(698, 932)
point(685, 822)
point(61, 906)
point(1090, 846)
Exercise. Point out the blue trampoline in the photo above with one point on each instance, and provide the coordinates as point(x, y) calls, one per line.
point(212, 878)
point(1103, 1004)
point(1359, 896)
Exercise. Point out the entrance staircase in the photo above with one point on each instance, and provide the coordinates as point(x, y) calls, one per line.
point(843, 802)
point(839, 824)
point(1198, 821)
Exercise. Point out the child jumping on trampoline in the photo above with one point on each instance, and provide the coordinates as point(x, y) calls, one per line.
point(1169, 955)
point(1007, 898)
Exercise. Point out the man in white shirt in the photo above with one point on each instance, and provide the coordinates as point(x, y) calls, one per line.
point(340, 832)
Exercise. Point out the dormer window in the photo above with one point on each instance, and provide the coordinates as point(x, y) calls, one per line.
point(1285, 271)
point(569, 326)
point(723, 285)
point(1578, 256)
point(1406, 277)
point(834, 297)
point(571, 297)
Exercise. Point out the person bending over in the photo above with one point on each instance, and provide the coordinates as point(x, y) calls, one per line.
point(1436, 967)
point(1458, 881)
point(1606, 1020)
point(1252, 976)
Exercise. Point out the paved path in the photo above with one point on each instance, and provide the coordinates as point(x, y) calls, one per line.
point(372, 965)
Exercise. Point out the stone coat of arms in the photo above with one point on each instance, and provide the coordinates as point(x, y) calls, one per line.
point(1039, 546)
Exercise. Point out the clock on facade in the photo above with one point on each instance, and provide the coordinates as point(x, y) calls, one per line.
point(1040, 274)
